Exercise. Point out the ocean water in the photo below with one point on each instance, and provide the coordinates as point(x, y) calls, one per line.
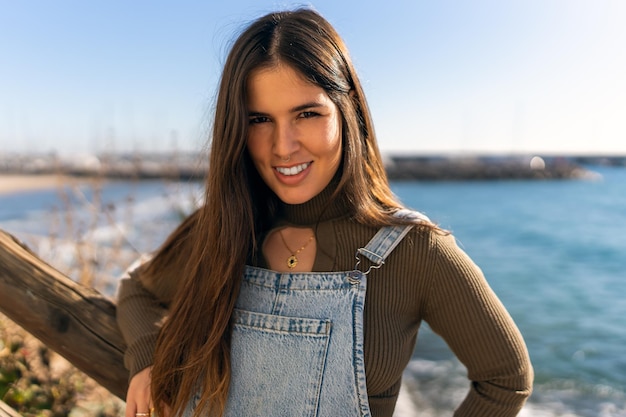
point(553, 251)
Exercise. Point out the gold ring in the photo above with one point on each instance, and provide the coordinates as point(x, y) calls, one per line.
point(142, 414)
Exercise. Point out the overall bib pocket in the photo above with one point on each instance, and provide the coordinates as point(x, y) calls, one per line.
point(280, 361)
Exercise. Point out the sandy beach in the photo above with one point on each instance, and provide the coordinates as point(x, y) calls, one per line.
point(19, 183)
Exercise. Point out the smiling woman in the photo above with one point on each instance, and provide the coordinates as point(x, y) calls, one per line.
point(294, 137)
point(264, 287)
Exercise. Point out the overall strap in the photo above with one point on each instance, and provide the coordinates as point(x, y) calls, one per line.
point(387, 238)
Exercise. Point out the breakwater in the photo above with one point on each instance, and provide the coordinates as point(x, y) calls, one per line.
point(189, 166)
point(446, 168)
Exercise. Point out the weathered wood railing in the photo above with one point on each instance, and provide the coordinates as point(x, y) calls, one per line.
point(75, 321)
point(6, 411)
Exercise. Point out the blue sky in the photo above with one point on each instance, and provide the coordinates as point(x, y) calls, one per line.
point(473, 76)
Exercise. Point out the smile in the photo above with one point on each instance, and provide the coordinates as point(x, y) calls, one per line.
point(294, 170)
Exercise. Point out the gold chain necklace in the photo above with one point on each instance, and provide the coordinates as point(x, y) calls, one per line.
point(292, 261)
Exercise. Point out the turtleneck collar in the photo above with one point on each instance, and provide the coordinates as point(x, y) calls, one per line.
point(316, 209)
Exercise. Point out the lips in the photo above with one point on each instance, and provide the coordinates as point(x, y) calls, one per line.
point(294, 170)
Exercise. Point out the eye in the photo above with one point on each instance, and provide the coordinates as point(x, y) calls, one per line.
point(258, 119)
point(308, 114)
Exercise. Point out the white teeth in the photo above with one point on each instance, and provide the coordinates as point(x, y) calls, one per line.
point(293, 170)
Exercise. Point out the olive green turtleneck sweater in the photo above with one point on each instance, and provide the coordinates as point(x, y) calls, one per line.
point(427, 277)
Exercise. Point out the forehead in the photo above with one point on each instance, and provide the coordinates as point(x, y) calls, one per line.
point(281, 85)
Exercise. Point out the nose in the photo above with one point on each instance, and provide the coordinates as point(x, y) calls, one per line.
point(285, 141)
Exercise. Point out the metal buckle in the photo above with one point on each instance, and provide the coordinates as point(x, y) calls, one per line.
point(358, 261)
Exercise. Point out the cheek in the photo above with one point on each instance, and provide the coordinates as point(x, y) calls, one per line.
point(333, 139)
point(256, 157)
point(255, 148)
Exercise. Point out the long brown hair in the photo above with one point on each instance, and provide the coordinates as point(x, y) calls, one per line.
point(192, 352)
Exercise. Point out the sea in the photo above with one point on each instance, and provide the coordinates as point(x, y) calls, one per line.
point(553, 251)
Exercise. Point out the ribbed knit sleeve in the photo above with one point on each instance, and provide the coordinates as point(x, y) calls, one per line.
point(139, 317)
point(462, 308)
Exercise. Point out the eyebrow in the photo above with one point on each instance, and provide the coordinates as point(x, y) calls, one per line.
point(309, 105)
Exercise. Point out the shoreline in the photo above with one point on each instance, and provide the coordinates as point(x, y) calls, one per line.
point(21, 175)
point(21, 183)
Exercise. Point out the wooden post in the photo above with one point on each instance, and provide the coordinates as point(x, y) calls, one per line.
point(6, 411)
point(75, 321)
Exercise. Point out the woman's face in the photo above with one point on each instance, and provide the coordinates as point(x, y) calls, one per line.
point(294, 137)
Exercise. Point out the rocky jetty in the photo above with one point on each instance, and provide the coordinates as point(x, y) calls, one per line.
point(190, 166)
point(484, 168)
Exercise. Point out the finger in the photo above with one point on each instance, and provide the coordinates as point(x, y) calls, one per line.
point(131, 408)
point(143, 409)
point(137, 405)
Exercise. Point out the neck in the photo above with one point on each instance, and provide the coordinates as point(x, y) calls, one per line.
point(319, 208)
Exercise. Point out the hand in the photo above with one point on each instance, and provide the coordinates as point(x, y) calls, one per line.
point(138, 398)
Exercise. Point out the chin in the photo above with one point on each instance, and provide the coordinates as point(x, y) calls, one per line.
point(294, 199)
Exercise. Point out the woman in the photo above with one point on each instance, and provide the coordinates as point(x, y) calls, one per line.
point(295, 189)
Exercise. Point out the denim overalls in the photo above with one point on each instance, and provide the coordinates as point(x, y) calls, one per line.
point(297, 341)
